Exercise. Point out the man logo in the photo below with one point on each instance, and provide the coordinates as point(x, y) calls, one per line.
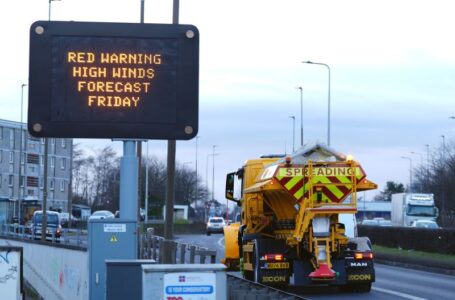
point(358, 264)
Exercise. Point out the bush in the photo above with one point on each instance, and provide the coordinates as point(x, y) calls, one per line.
point(411, 238)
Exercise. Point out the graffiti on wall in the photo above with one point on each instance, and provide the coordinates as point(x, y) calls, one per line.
point(10, 272)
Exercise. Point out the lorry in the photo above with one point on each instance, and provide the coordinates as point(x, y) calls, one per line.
point(410, 207)
point(289, 231)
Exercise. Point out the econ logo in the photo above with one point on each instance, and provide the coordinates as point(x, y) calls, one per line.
point(113, 80)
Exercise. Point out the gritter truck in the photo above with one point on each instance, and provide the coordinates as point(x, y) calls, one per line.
point(290, 232)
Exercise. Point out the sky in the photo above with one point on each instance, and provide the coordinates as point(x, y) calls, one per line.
point(392, 81)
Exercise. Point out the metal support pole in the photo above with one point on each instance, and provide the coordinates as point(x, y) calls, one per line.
point(44, 223)
point(128, 182)
point(21, 148)
point(293, 132)
point(213, 173)
point(169, 219)
point(146, 196)
point(301, 115)
point(171, 148)
point(328, 102)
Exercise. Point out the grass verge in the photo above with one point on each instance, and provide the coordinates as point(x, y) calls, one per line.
point(416, 257)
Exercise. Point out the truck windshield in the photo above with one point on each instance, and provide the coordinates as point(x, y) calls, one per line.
point(420, 210)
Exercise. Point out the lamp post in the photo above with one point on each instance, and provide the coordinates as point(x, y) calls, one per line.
point(146, 197)
point(328, 104)
point(19, 215)
point(213, 172)
point(421, 163)
point(410, 172)
point(207, 174)
point(443, 147)
point(293, 132)
point(196, 183)
point(301, 115)
point(428, 155)
point(207, 169)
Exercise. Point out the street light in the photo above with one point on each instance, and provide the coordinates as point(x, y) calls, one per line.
point(410, 172)
point(301, 115)
point(421, 163)
point(213, 172)
point(293, 132)
point(328, 104)
point(207, 169)
point(196, 187)
point(20, 154)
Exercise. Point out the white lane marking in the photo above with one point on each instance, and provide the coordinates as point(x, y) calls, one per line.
point(403, 295)
point(220, 243)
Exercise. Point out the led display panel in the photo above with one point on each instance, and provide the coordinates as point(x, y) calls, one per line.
point(113, 80)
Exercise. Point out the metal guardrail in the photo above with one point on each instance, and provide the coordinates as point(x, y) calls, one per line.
point(68, 236)
point(152, 248)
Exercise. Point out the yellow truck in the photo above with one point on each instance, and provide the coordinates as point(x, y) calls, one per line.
point(289, 225)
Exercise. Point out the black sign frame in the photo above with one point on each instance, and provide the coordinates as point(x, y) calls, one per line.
point(56, 111)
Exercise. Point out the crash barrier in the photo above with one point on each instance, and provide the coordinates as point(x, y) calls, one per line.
point(153, 248)
point(67, 236)
point(241, 289)
point(411, 238)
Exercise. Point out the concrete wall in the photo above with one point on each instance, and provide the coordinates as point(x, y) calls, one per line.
point(55, 272)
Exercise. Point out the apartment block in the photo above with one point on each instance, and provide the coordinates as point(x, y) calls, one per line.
point(22, 167)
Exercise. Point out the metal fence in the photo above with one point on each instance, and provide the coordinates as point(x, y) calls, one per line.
point(152, 248)
point(67, 236)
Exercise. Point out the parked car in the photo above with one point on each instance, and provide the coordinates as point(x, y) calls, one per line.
point(425, 224)
point(215, 224)
point(101, 214)
point(53, 229)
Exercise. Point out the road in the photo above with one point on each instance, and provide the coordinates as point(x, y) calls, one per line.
point(391, 282)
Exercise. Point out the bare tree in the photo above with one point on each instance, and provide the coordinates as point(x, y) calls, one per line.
point(438, 177)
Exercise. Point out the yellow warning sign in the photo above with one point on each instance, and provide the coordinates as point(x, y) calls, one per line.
point(114, 239)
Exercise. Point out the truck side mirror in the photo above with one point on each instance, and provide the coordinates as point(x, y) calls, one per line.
point(230, 179)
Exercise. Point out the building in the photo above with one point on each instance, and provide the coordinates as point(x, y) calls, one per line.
point(22, 164)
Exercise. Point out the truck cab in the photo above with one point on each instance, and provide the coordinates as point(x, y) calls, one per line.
point(410, 207)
